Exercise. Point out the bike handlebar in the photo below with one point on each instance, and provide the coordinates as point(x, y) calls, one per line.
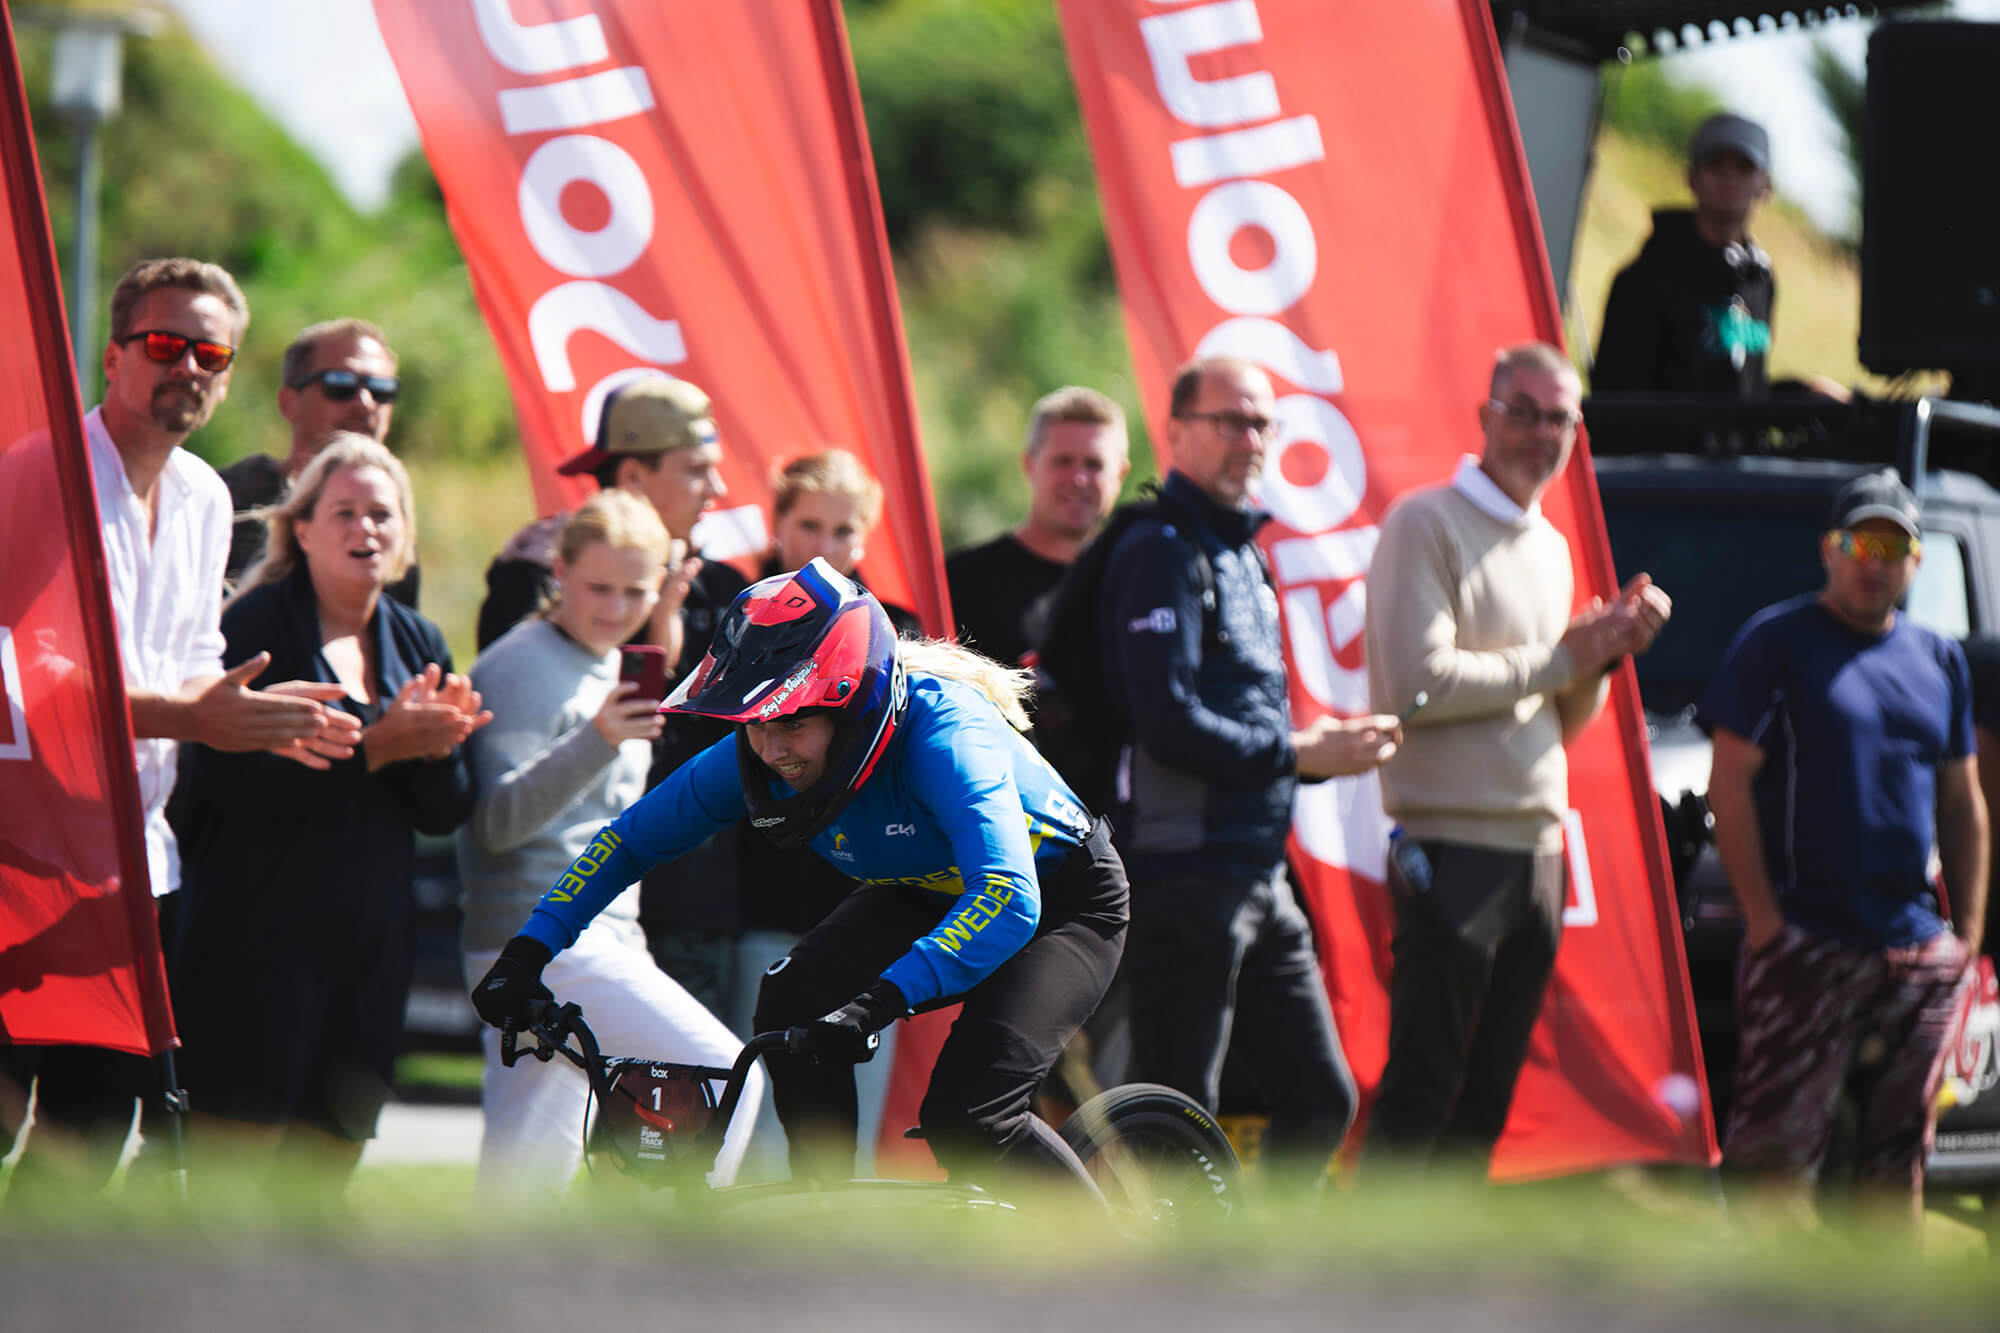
point(554, 1025)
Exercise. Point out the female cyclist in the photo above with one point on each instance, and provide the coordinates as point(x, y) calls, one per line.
point(979, 873)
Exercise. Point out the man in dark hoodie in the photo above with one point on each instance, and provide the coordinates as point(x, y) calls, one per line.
point(1692, 314)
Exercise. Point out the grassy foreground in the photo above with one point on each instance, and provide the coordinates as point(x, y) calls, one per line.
point(1638, 1242)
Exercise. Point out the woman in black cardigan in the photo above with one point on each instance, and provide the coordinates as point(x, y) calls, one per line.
point(293, 962)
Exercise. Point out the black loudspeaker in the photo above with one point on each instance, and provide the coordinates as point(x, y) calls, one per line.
point(1930, 222)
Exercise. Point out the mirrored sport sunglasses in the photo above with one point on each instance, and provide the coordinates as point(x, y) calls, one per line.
point(1875, 545)
point(341, 385)
point(167, 348)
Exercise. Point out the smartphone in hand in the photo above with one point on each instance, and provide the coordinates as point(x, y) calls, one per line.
point(645, 665)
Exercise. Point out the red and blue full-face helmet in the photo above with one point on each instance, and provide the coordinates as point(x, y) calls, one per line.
point(810, 642)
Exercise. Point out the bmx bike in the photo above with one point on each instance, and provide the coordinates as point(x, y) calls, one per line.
point(1154, 1153)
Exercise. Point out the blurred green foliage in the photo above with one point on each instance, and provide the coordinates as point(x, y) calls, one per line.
point(417, 1246)
point(193, 166)
point(1643, 101)
point(1843, 92)
point(969, 109)
point(991, 206)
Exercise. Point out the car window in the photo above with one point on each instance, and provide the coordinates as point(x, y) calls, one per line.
point(1938, 598)
point(1721, 567)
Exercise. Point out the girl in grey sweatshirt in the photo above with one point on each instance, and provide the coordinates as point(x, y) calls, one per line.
point(567, 751)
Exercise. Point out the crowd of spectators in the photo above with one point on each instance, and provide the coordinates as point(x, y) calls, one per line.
point(288, 694)
point(165, 515)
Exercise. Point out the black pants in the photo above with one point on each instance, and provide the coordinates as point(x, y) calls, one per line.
point(1473, 953)
point(85, 1097)
point(1212, 956)
point(1010, 1032)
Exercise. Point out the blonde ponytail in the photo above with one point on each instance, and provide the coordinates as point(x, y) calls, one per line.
point(1006, 687)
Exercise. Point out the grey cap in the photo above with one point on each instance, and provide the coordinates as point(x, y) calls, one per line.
point(1876, 495)
point(1729, 133)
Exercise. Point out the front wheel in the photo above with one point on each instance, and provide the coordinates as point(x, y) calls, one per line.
point(1156, 1152)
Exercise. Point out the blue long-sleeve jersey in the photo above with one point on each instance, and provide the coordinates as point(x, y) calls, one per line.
point(959, 804)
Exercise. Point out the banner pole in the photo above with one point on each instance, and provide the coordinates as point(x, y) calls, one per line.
point(174, 1102)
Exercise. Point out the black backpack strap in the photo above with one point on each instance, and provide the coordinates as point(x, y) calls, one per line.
point(1212, 632)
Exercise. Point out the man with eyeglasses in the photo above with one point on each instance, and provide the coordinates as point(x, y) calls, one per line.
point(1191, 646)
point(339, 375)
point(175, 327)
point(1469, 611)
point(1844, 754)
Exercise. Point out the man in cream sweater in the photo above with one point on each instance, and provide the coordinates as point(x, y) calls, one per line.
point(1469, 605)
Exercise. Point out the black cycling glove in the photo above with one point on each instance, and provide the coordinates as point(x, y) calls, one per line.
point(843, 1036)
point(514, 980)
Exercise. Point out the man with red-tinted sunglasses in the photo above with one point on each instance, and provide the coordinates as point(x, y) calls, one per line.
point(1844, 755)
point(337, 375)
point(175, 326)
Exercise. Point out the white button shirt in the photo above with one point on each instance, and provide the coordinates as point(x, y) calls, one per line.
point(166, 591)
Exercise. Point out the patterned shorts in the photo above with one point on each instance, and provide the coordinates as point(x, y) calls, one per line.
point(1815, 1014)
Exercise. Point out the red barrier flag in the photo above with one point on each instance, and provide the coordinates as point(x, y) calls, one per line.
point(79, 943)
point(641, 186)
point(1337, 193)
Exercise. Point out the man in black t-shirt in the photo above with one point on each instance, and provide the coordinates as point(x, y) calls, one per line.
point(1076, 460)
point(339, 375)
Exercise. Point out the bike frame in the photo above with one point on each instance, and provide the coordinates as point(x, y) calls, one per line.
point(1159, 1115)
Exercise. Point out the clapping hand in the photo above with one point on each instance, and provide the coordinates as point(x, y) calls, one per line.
point(457, 691)
point(431, 714)
point(228, 714)
point(1646, 608)
point(339, 732)
point(1603, 632)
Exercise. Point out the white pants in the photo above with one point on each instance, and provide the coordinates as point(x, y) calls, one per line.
point(534, 1111)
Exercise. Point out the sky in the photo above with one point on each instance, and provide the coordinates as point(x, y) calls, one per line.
point(323, 72)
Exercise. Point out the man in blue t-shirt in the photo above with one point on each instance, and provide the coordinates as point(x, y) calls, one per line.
point(1843, 754)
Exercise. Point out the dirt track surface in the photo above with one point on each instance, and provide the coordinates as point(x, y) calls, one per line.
point(289, 1291)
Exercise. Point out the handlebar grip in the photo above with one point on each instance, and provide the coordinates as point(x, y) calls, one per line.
point(509, 1050)
point(545, 1019)
point(799, 1041)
